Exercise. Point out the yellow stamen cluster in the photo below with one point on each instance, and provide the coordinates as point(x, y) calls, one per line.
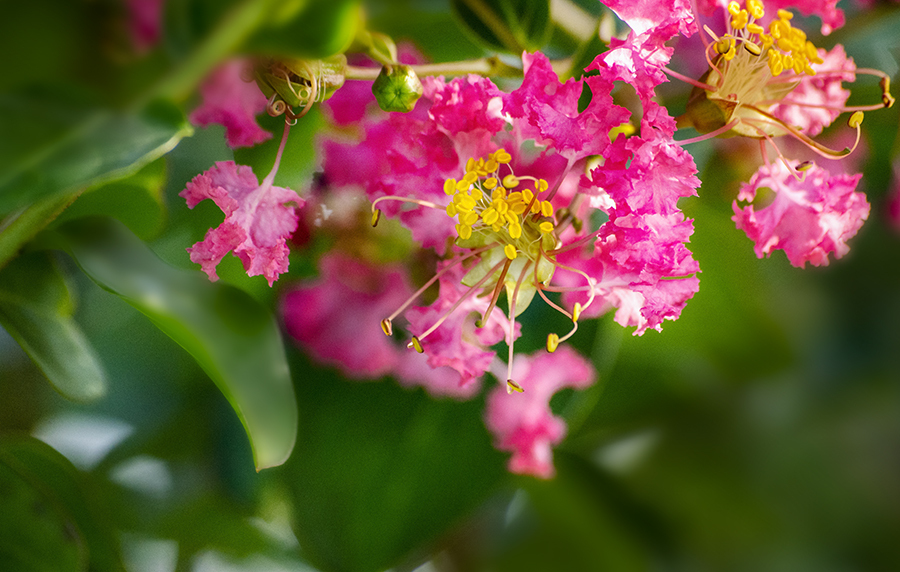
point(484, 202)
point(786, 46)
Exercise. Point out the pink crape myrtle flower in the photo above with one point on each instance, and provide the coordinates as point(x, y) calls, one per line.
point(259, 217)
point(523, 423)
point(470, 153)
point(808, 218)
point(234, 103)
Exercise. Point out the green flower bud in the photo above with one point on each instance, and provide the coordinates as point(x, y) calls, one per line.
point(296, 83)
point(397, 88)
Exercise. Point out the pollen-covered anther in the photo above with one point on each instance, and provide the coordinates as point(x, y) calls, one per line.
point(576, 312)
point(510, 181)
point(552, 342)
point(855, 119)
point(752, 48)
point(376, 216)
point(804, 166)
point(415, 344)
point(513, 386)
point(387, 327)
point(510, 251)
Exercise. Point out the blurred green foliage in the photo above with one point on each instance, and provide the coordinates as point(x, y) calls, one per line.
point(760, 431)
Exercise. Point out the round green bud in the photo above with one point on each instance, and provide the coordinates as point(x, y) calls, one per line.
point(397, 88)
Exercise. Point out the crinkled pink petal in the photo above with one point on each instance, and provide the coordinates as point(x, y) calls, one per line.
point(807, 219)
point(464, 104)
point(336, 317)
point(414, 370)
point(818, 93)
point(644, 15)
point(549, 110)
point(258, 220)
point(145, 22)
point(234, 103)
point(457, 343)
point(523, 423)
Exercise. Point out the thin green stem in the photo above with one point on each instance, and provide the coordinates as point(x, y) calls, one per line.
point(483, 66)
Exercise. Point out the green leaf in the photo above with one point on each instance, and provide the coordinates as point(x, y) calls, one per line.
point(233, 338)
point(51, 518)
point(506, 25)
point(384, 471)
point(318, 29)
point(58, 143)
point(136, 201)
point(36, 310)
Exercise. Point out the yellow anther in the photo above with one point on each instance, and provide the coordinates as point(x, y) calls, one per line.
point(752, 48)
point(470, 164)
point(462, 185)
point(464, 231)
point(510, 217)
point(490, 216)
point(785, 15)
point(517, 207)
point(450, 186)
point(785, 45)
point(855, 119)
point(542, 184)
point(500, 205)
point(552, 342)
point(498, 194)
point(465, 202)
point(576, 311)
point(510, 181)
point(776, 63)
point(724, 44)
point(513, 386)
point(497, 225)
point(477, 195)
point(546, 227)
point(387, 327)
point(739, 20)
point(470, 177)
point(734, 8)
point(527, 195)
point(415, 344)
point(536, 207)
point(469, 218)
point(787, 61)
point(775, 28)
point(510, 251)
point(800, 66)
point(546, 208)
point(805, 165)
point(515, 230)
point(516, 196)
point(766, 40)
point(491, 165)
point(490, 183)
point(755, 7)
point(755, 29)
point(451, 210)
point(376, 216)
point(502, 157)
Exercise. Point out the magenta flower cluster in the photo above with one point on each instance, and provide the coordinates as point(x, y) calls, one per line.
point(521, 192)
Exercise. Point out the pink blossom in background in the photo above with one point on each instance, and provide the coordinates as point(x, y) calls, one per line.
point(807, 219)
point(230, 101)
point(522, 423)
point(145, 22)
point(336, 317)
point(258, 220)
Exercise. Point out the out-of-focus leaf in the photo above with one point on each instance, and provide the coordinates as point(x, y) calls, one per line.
point(232, 337)
point(59, 143)
point(51, 520)
point(383, 471)
point(136, 201)
point(308, 29)
point(506, 25)
point(36, 310)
